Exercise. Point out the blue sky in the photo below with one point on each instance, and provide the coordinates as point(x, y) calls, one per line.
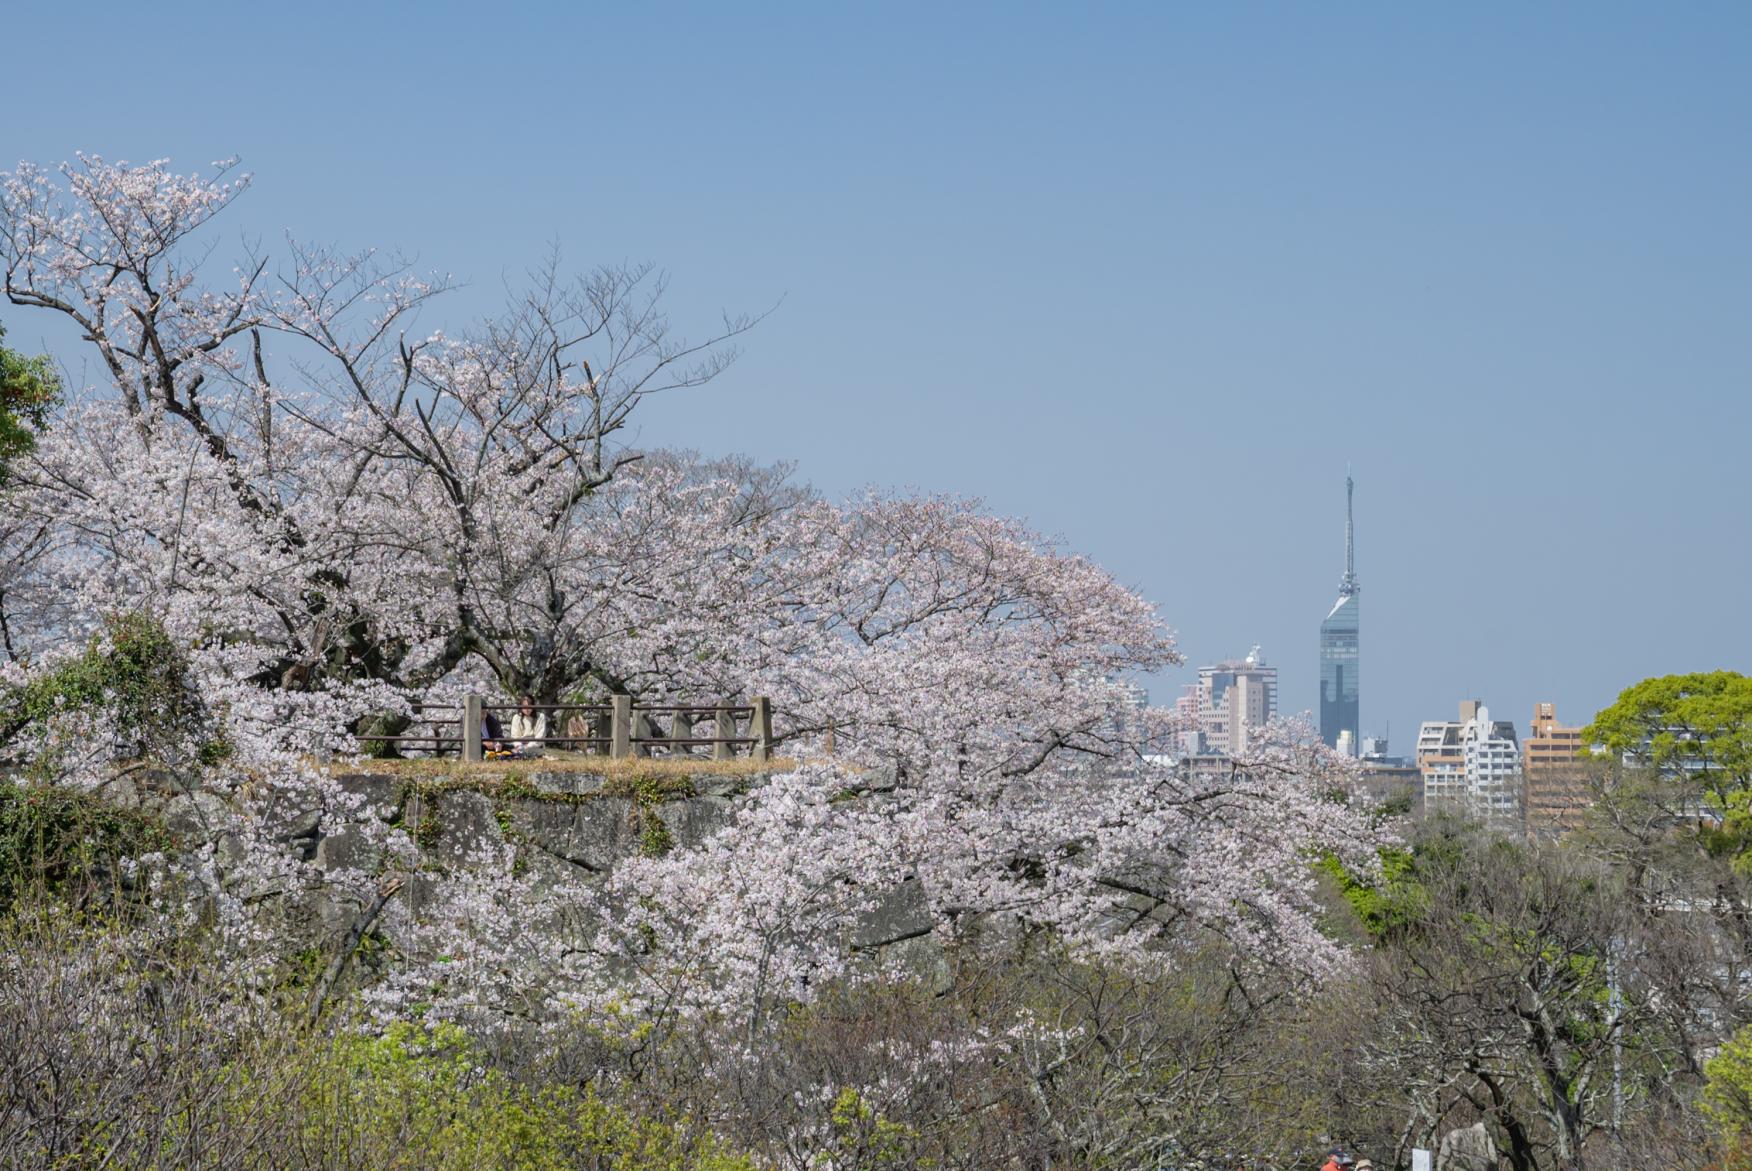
point(1150, 276)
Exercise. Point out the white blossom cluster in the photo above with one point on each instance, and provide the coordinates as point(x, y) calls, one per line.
point(337, 515)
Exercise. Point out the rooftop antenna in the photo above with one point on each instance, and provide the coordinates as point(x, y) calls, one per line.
point(1348, 584)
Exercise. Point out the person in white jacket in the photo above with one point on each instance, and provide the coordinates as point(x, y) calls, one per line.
point(528, 728)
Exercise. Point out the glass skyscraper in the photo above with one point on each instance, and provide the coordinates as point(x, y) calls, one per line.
point(1339, 696)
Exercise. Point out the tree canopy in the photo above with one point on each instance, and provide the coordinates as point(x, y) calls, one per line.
point(336, 512)
point(1698, 725)
point(1690, 735)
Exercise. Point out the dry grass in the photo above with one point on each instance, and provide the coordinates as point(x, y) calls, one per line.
point(626, 769)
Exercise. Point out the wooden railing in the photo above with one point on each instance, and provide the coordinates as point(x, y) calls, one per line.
point(619, 728)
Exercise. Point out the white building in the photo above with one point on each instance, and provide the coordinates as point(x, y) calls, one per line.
point(1472, 765)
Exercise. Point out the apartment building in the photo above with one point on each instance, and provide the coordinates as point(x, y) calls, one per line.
point(1558, 795)
point(1472, 766)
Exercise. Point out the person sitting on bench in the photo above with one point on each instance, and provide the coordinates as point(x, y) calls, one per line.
point(529, 728)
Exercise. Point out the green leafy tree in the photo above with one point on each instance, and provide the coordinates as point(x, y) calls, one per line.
point(1727, 1100)
point(1727, 1097)
point(1386, 905)
point(28, 388)
point(1691, 733)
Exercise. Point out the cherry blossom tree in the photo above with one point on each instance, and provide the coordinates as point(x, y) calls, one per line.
point(293, 424)
point(1129, 862)
point(338, 515)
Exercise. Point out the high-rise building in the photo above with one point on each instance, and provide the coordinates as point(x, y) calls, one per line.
point(1471, 766)
point(1340, 700)
point(1235, 699)
point(1493, 769)
point(1440, 761)
point(1191, 738)
point(1131, 718)
point(1557, 777)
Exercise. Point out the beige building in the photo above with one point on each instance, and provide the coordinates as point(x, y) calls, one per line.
point(1556, 775)
point(1234, 700)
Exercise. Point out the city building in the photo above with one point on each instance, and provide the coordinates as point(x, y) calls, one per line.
point(1209, 768)
point(1392, 782)
point(1190, 739)
point(1441, 763)
point(1493, 769)
point(1131, 720)
point(1233, 701)
point(1340, 698)
point(1556, 775)
point(1387, 779)
point(1471, 766)
point(1137, 697)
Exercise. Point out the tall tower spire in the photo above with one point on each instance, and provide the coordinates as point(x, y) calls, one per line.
point(1347, 585)
point(1340, 637)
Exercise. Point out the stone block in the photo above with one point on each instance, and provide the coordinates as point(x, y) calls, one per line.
point(347, 849)
point(467, 823)
point(902, 914)
point(197, 817)
point(692, 821)
point(285, 820)
point(573, 784)
point(379, 795)
point(122, 792)
point(595, 833)
point(708, 785)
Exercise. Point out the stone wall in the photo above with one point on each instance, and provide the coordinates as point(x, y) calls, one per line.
point(559, 823)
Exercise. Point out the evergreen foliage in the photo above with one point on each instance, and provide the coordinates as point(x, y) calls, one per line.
point(28, 389)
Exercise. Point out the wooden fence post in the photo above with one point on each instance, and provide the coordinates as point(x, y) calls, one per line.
point(620, 726)
point(726, 730)
point(761, 728)
point(471, 728)
point(645, 727)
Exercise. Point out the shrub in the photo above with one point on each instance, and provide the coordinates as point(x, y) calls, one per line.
point(419, 1097)
point(130, 1046)
point(134, 678)
point(68, 843)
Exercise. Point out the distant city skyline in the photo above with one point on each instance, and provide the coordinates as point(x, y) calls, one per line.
point(1338, 651)
point(1339, 700)
point(1148, 277)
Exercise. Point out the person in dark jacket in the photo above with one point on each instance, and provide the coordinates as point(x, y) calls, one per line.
point(492, 734)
